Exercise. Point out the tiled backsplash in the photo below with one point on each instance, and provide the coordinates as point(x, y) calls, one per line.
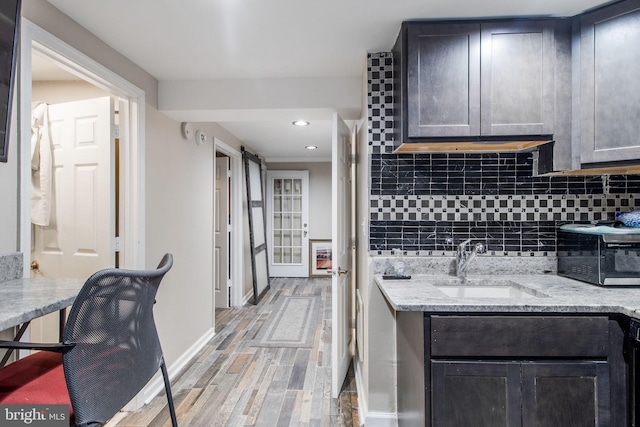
point(425, 204)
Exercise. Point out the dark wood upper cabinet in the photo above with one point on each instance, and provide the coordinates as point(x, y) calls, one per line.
point(609, 83)
point(517, 78)
point(474, 79)
point(443, 80)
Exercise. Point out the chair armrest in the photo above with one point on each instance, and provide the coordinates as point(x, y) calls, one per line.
point(55, 347)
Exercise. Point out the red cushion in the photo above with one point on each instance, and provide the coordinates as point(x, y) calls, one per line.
point(35, 379)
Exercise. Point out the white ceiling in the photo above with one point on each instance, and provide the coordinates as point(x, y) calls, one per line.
point(203, 45)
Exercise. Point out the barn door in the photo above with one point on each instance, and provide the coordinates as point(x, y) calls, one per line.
point(257, 229)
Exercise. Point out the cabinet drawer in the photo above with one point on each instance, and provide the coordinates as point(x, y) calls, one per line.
point(519, 336)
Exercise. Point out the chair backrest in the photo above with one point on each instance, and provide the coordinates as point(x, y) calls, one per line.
point(117, 347)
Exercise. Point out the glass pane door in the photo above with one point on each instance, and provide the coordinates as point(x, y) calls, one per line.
point(288, 231)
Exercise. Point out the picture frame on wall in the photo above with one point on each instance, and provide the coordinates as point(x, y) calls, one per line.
point(320, 258)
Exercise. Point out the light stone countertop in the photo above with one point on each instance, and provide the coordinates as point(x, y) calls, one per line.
point(562, 295)
point(25, 299)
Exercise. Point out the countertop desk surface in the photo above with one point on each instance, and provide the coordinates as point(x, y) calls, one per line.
point(559, 295)
point(22, 300)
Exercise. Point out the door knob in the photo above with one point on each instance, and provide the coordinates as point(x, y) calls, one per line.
point(341, 271)
point(35, 265)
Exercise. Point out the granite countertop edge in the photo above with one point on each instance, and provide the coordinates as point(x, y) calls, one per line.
point(24, 299)
point(561, 295)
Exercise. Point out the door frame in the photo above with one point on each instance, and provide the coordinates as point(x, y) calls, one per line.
point(132, 137)
point(236, 241)
point(221, 262)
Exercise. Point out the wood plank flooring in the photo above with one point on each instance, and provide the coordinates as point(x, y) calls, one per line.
point(233, 383)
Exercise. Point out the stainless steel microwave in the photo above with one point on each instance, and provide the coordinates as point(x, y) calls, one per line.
point(598, 254)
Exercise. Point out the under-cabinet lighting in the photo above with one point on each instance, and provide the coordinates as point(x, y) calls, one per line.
point(300, 123)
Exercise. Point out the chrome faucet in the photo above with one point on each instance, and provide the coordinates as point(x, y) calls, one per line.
point(464, 256)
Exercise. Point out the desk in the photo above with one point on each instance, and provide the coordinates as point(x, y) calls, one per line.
point(23, 300)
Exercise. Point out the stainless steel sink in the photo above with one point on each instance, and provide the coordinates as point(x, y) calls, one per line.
point(483, 288)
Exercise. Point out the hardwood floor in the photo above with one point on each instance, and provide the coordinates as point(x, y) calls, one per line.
point(233, 382)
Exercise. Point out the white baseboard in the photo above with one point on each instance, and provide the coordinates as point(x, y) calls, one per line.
point(362, 401)
point(381, 419)
point(248, 297)
point(371, 418)
point(156, 385)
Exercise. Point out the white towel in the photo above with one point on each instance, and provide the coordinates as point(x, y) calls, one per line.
point(41, 164)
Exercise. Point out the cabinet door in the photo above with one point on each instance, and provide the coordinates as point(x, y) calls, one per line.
point(479, 394)
point(610, 88)
point(517, 83)
point(443, 72)
point(565, 394)
point(635, 385)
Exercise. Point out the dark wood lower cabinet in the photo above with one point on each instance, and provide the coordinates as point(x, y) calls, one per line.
point(481, 394)
point(514, 371)
point(635, 390)
point(512, 393)
point(565, 394)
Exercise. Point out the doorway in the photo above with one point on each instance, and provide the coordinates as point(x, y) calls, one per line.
point(36, 42)
point(41, 49)
point(228, 227)
point(288, 223)
point(222, 230)
point(73, 197)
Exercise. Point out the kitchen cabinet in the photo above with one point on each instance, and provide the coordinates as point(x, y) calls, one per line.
point(536, 394)
point(634, 367)
point(458, 80)
point(443, 80)
point(517, 78)
point(474, 393)
point(506, 370)
point(609, 86)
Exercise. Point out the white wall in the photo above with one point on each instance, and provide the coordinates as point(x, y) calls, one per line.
point(53, 92)
point(179, 212)
point(376, 372)
point(362, 238)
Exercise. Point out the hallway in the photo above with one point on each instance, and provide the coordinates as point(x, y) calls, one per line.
point(241, 379)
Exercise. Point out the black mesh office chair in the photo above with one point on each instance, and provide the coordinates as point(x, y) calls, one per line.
point(110, 349)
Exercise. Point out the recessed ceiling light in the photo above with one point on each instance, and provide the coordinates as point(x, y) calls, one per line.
point(301, 123)
point(311, 147)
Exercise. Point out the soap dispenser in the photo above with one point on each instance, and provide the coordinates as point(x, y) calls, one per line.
point(398, 267)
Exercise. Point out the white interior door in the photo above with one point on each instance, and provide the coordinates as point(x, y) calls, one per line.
point(80, 237)
point(221, 229)
point(341, 247)
point(288, 223)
